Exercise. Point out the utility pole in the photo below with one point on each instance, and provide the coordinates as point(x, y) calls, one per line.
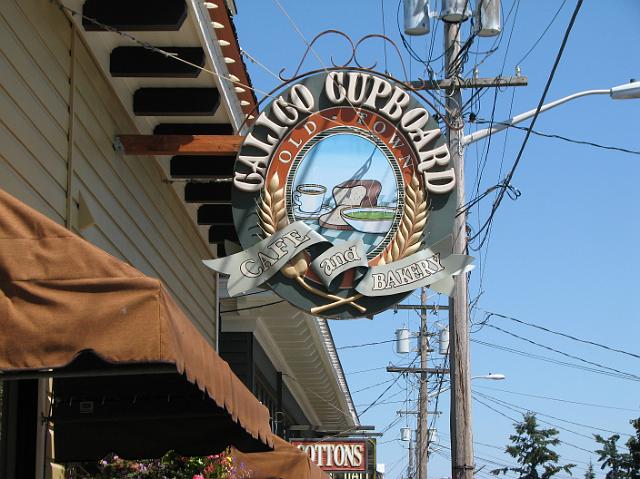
point(462, 462)
point(423, 418)
point(412, 457)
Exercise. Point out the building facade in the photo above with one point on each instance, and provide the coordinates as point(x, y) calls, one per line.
point(76, 75)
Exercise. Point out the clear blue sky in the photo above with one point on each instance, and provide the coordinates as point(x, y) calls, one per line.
point(562, 256)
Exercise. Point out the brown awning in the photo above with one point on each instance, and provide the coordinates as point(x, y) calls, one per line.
point(284, 462)
point(126, 360)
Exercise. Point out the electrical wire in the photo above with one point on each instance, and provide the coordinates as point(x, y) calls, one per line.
point(578, 403)
point(363, 345)
point(549, 348)
point(517, 420)
point(538, 413)
point(535, 44)
point(386, 390)
point(558, 333)
point(551, 360)
point(564, 138)
point(360, 371)
point(512, 171)
point(366, 388)
point(384, 32)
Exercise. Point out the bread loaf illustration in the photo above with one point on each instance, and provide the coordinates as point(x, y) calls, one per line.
point(348, 194)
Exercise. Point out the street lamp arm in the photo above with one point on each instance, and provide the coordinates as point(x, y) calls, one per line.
point(502, 125)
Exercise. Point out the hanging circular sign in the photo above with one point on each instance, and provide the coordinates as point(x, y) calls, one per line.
point(343, 198)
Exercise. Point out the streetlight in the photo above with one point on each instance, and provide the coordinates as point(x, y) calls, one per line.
point(491, 376)
point(621, 92)
point(461, 434)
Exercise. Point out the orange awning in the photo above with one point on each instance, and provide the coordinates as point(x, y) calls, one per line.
point(284, 462)
point(131, 372)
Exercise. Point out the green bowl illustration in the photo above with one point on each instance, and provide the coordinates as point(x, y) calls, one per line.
point(372, 219)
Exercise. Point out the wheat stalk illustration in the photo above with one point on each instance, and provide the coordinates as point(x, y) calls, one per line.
point(408, 238)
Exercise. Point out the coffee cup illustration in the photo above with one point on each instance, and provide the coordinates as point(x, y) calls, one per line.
point(309, 197)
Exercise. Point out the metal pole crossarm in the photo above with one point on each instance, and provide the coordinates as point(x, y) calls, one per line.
point(432, 307)
point(437, 413)
point(461, 83)
point(399, 369)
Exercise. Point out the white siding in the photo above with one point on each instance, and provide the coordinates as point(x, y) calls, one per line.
point(139, 217)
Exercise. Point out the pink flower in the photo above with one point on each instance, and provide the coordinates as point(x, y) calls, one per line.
point(198, 476)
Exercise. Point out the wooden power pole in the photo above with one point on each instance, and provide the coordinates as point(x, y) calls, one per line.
point(423, 419)
point(462, 463)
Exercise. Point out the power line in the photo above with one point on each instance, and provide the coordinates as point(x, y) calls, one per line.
point(509, 176)
point(604, 406)
point(535, 44)
point(487, 396)
point(558, 333)
point(564, 138)
point(517, 420)
point(360, 371)
point(387, 389)
point(372, 386)
point(551, 360)
point(549, 348)
point(353, 346)
point(384, 32)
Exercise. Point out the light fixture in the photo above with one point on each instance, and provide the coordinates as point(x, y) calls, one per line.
point(443, 341)
point(491, 376)
point(455, 11)
point(416, 17)
point(627, 91)
point(486, 18)
point(402, 341)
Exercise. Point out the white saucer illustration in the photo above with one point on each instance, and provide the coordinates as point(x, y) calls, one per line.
point(306, 215)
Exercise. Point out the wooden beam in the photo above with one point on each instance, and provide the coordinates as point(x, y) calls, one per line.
point(212, 145)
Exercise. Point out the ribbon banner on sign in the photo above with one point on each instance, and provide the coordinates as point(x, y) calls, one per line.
point(428, 267)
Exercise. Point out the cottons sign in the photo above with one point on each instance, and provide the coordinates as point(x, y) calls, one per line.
point(336, 456)
point(344, 198)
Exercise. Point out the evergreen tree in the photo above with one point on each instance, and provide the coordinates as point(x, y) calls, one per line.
point(531, 447)
point(589, 474)
point(611, 457)
point(633, 445)
point(620, 464)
